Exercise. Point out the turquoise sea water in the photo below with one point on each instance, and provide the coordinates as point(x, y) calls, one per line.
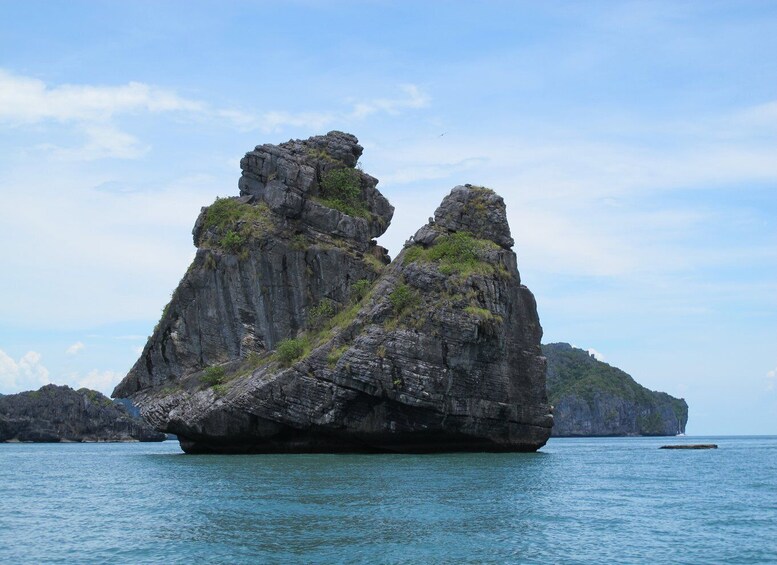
point(578, 500)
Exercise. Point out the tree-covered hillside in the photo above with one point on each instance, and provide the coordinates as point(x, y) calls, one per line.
point(592, 398)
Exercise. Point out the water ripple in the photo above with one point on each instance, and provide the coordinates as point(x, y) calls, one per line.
point(578, 501)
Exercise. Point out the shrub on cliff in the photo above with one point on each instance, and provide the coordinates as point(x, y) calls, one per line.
point(456, 253)
point(289, 350)
point(402, 298)
point(213, 375)
point(321, 313)
point(341, 190)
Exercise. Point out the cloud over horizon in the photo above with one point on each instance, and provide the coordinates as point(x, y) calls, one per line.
point(75, 348)
point(28, 373)
point(93, 110)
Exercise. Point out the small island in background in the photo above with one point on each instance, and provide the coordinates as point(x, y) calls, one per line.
point(60, 414)
point(592, 398)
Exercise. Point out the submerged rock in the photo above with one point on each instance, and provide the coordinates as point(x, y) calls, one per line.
point(592, 398)
point(691, 446)
point(290, 333)
point(59, 413)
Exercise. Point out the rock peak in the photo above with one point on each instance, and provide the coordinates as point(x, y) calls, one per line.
point(317, 182)
point(469, 208)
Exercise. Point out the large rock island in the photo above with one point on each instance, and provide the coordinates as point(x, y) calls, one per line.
point(291, 332)
point(592, 398)
point(59, 413)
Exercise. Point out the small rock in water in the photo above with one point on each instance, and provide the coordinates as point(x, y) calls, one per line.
point(691, 446)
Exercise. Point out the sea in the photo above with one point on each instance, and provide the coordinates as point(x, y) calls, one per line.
point(583, 500)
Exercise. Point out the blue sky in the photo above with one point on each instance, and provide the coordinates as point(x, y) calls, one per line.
point(635, 144)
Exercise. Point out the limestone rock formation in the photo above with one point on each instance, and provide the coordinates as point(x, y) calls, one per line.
point(291, 332)
point(266, 258)
point(59, 413)
point(592, 398)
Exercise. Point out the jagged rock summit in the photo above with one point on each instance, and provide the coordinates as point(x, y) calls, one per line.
point(60, 414)
point(291, 332)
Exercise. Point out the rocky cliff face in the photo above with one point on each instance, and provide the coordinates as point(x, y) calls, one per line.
point(265, 259)
point(592, 398)
point(59, 413)
point(291, 333)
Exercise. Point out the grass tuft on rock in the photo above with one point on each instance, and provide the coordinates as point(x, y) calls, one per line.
point(334, 355)
point(359, 289)
point(403, 298)
point(289, 350)
point(213, 376)
point(321, 313)
point(456, 253)
point(341, 190)
point(235, 223)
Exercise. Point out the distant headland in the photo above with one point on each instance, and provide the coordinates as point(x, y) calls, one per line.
point(592, 398)
point(60, 414)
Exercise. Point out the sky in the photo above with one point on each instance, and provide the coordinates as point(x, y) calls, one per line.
point(635, 144)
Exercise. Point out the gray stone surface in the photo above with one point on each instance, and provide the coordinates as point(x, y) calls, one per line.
point(477, 210)
point(59, 413)
point(454, 366)
point(592, 398)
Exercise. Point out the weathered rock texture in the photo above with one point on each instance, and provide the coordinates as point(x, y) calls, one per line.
point(299, 338)
point(59, 413)
point(592, 398)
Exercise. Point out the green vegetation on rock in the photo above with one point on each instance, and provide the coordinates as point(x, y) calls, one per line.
point(289, 350)
point(322, 155)
point(456, 253)
point(360, 288)
point(341, 190)
point(214, 375)
point(402, 298)
point(483, 314)
point(236, 223)
point(321, 313)
point(334, 355)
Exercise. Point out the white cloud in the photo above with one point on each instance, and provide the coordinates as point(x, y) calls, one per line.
point(26, 374)
point(102, 141)
point(103, 381)
point(92, 110)
point(413, 98)
point(771, 378)
point(30, 100)
point(75, 348)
